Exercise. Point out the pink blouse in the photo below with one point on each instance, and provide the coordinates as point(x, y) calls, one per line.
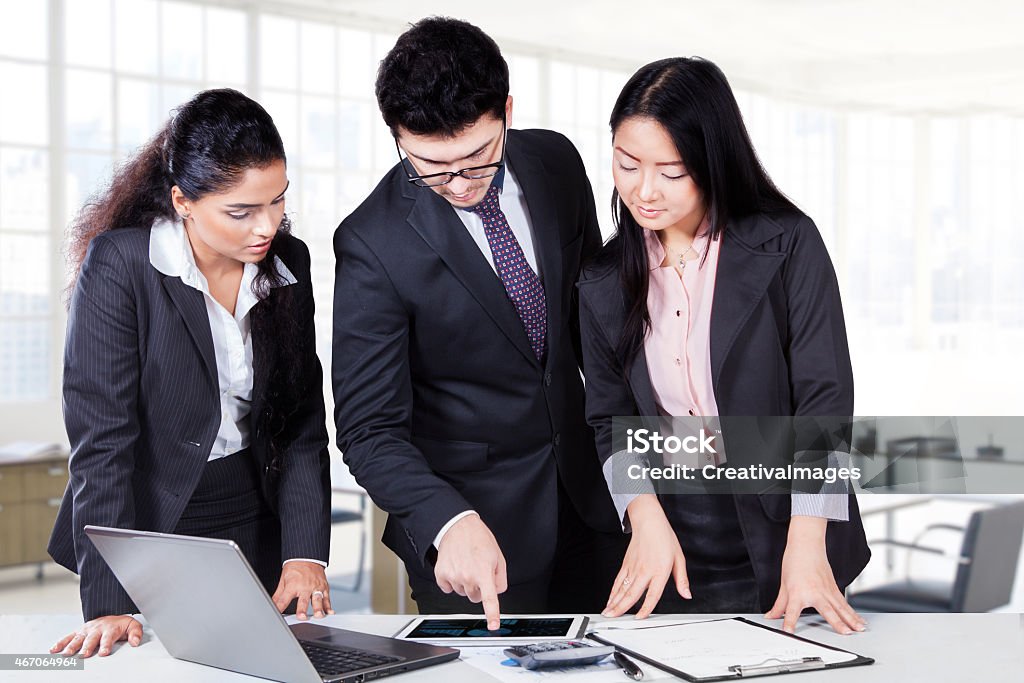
point(678, 346)
point(678, 350)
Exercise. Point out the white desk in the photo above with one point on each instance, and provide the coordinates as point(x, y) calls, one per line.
point(932, 648)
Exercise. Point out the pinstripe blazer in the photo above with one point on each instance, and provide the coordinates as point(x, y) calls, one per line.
point(141, 410)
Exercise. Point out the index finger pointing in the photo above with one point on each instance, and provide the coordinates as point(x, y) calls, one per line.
point(491, 609)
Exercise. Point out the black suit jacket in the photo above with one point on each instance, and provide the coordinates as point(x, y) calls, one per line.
point(142, 411)
point(778, 347)
point(440, 403)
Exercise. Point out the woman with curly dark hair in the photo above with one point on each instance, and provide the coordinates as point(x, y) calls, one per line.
point(192, 389)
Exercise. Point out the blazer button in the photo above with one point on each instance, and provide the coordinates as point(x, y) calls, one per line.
point(547, 379)
point(557, 440)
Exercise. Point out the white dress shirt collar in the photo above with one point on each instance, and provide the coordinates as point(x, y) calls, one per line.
point(171, 254)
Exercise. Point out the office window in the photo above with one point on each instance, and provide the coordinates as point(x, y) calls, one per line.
point(948, 146)
point(136, 52)
point(880, 264)
point(26, 242)
point(993, 252)
point(316, 80)
point(121, 84)
point(916, 210)
point(580, 100)
point(525, 87)
point(796, 143)
point(27, 38)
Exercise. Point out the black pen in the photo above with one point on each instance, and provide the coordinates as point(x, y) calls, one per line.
point(629, 667)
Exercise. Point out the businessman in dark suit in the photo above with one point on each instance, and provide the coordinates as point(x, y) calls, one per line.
point(458, 396)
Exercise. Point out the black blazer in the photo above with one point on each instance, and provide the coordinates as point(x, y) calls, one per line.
point(141, 410)
point(440, 403)
point(778, 347)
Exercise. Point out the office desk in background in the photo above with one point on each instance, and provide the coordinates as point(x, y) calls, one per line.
point(32, 481)
point(908, 648)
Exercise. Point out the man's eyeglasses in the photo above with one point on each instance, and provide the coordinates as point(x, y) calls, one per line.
point(471, 173)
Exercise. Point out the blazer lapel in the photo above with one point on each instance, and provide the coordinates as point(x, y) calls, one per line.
point(534, 179)
point(741, 282)
point(192, 308)
point(433, 219)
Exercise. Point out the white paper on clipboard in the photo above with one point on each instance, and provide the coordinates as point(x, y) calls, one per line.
point(706, 649)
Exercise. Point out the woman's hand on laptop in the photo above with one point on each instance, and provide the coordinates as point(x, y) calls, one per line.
point(100, 635)
point(307, 583)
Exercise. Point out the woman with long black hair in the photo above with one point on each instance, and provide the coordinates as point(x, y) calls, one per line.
point(715, 297)
point(192, 390)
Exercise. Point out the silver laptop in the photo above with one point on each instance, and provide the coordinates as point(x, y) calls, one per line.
point(205, 603)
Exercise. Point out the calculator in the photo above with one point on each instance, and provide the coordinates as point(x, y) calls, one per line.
point(561, 653)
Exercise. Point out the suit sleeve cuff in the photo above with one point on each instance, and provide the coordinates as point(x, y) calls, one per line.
point(832, 501)
point(832, 506)
point(449, 525)
point(305, 559)
point(623, 488)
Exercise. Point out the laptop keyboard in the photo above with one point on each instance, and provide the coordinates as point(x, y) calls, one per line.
point(331, 661)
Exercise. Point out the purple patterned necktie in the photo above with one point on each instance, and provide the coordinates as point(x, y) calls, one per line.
point(521, 283)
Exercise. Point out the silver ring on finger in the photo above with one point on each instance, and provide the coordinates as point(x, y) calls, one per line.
point(626, 581)
point(317, 594)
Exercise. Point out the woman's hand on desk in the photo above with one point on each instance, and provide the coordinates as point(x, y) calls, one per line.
point(99, 634)
point(307, 582)
point(652, 558)
point(807, 580)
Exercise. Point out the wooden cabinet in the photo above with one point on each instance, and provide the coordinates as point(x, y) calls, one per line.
point(30, 494)
point(12, 543)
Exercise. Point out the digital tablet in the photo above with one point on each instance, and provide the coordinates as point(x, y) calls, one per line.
point(515, 629)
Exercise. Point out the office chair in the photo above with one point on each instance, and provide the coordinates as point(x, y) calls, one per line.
point(986, 568)
point(341, 515)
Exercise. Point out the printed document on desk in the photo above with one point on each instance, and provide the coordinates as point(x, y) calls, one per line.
point(724, 649)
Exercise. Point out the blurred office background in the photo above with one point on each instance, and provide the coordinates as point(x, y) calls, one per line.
point(898, 127)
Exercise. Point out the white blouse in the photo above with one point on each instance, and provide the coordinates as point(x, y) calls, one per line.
point(171, 254)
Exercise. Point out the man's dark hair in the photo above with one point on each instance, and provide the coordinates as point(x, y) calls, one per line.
point(442, 75)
